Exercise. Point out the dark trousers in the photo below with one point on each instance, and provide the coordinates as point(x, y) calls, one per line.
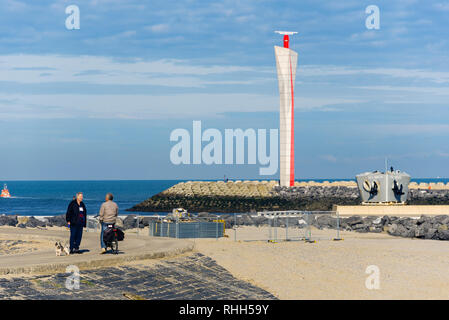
point(76, 233)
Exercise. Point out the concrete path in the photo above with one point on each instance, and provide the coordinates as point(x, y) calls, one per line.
point(134, 247)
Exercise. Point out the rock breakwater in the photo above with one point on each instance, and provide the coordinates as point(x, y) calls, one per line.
point(250, 196)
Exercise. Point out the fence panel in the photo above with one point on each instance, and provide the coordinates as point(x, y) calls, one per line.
point(292, 225)
point(191, 229)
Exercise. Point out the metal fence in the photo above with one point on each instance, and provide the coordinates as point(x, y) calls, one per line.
point(273, 226)
point(205, 227)
point(276, 226)
point(187, 229)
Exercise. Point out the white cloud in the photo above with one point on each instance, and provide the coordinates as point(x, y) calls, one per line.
point(320, 70)
point(442, 6)
point(105, 70)
point(329, 158)
point(158, 28)
point(146, 106)
point(409, 128)
point(433, 90)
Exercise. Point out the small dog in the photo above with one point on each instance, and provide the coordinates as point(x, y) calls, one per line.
point(60, 249)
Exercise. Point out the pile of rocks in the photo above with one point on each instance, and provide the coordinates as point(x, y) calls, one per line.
point(425, 227)
point(316, 192)
point(130, 222)
point(426, 196)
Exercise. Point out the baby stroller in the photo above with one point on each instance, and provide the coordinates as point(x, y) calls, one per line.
point(112, 236)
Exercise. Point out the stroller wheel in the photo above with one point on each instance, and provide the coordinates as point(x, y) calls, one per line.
point(114, 247)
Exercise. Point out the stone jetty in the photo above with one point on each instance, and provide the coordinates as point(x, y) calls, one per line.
point(249, 196)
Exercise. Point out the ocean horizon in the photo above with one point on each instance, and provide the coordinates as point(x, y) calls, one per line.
point(51, 197)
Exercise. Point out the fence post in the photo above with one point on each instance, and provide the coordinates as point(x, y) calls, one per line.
point(235, 227)
point(338, 226)
point(309, 228)
point(286, 231)
point(275, 229)
point(162, 227)
point(216, 231)
point(270, 219)
point(138, 225)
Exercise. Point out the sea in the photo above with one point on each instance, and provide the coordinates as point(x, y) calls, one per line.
point(49, 198)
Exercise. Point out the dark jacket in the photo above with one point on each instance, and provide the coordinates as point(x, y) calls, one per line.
point(76, 216)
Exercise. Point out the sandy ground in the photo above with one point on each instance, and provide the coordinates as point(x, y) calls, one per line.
point(16, 245)
point(409, 269)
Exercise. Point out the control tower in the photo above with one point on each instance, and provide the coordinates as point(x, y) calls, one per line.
point(286, 62)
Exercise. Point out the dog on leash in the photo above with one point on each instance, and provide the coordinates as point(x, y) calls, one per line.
point(60, 249)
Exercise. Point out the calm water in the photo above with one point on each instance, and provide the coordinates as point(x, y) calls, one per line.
point(42, 198)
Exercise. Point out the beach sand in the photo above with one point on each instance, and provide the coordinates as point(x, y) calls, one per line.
point(17, 245)
point(409, 269)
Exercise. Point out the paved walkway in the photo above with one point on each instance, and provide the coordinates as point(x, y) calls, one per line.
point(134, 247)
point(192, 276)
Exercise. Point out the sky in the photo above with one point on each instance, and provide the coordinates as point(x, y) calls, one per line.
point(100, 102)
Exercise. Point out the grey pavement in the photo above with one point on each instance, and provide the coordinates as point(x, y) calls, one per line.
point(134, 247)
point(191, 277)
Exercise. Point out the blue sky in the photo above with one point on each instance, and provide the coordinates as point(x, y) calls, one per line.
point(100, 102)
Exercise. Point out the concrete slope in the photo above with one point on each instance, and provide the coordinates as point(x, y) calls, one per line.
point(134, 247)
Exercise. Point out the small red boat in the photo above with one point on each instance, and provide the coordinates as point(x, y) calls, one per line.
point(5, 192)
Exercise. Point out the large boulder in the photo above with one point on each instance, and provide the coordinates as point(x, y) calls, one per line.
point(442, 219)
point(246, 220)
point(385, 221)
point(325, 221)
point(260, 221)
point(33, 223)
point(352, 221)
point(370, 220)
point(145, 221)
point(399, 230)
point(406, 222)
point(130, 222)
point(8, 220)
point(301, 223)
point(420, 231)
point(119, 223)
point(424, 219)
point(57, 221)
point(431, 234)
point(361, 227)
point(443, 234)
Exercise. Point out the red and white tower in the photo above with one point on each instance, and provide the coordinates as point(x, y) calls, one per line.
point(286, 62)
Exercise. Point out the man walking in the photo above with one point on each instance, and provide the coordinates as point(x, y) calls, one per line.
point(76, 217)
point(108, 215)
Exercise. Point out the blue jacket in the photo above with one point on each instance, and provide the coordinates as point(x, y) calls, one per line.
point(76, 214)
